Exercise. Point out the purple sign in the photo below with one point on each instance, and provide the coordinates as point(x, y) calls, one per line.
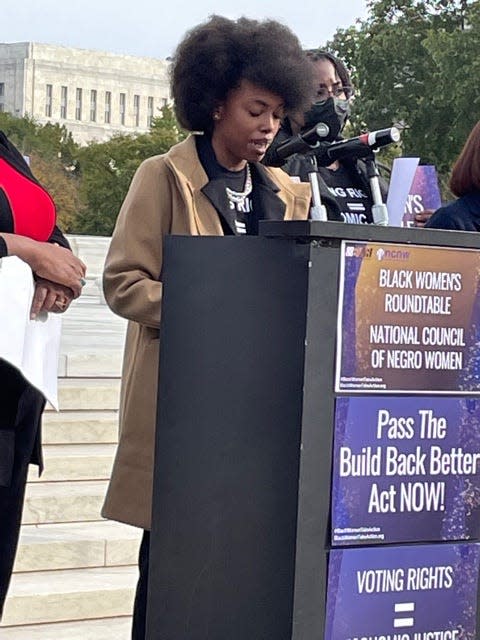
point(426, 592)
point(408, 320)
point(405, 470)
point(424, 194)
point(412, 189)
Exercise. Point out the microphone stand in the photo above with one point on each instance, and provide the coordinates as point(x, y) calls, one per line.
point(325, 153)
point(379, 208)
point(318, 210)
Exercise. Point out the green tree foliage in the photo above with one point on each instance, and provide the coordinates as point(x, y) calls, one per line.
point(456, 69)
point(49, 140)
point(416, 63)
point(63, 187)
point(106, 169)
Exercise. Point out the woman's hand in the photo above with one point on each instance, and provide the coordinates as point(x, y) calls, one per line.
point(421, 218)
point(58, 264)
point(50, 296)
point(49, 261)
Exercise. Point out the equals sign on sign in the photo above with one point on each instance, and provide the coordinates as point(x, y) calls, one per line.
point(402, 618)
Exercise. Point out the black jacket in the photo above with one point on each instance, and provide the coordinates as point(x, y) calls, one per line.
point(461, 215)
point(15, 160)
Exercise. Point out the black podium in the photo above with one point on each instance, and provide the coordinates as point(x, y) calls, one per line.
point(241, 509)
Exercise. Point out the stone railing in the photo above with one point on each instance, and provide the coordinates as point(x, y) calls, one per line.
point(92, 250)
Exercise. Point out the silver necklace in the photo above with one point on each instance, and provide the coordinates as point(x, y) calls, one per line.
point(238, 197)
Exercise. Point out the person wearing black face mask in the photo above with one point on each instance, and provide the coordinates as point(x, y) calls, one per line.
point(344, 186)
point(332, 111)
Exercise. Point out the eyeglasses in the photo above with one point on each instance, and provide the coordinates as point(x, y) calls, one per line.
point(323, 93)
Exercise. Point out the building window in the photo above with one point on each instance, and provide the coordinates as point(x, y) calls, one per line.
point(93, 105)
point(2, 89)
point(164, 102)
point(108, 106)
point(136, 110)
point(149, 111)
point(78, 105)
point(63, 103)
point(48, 101)
point(122, 108)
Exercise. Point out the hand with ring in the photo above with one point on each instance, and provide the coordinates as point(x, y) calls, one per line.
point(50, 296)
point(61, 303)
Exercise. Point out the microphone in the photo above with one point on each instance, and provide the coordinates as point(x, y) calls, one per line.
point(303, 142)
point(358, 147)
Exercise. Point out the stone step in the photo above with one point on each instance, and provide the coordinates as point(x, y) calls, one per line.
point(101, 364)
point(49, 502)
point(76, 545)
point(75, 462)
point(105, 629)
point(75, 594)
point(92, 250)
point(88, 326)
point(80, 427)
point(91, 394)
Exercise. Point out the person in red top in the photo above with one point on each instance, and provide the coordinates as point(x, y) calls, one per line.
point(27, 230)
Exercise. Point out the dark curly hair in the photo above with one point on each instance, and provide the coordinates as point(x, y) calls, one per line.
point(215, 56)
point(465, 176)
point(341, 70)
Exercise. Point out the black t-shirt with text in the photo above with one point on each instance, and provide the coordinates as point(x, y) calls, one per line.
point(349, 192)
point(236, 217)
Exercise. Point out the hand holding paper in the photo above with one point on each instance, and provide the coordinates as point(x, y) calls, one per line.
point(32, 346)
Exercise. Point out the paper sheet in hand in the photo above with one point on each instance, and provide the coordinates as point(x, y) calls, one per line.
point(403, 172)
point(32, 346)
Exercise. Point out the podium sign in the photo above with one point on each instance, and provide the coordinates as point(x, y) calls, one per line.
point(409, 319)
point(409, 593)
point(406, 470)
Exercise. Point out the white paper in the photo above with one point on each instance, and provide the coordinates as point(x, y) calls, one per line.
point(403, 172)
point(32, 346)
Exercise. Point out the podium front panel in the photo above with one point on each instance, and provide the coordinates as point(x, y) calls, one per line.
point(223, 539)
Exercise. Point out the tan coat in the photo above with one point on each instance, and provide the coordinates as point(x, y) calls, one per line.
point(165, 197)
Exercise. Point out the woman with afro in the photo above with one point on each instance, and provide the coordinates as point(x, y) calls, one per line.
point(233, 81)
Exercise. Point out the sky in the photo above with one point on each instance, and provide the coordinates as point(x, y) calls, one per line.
point(153, 29)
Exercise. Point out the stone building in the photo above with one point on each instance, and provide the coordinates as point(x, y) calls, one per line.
point(94, 94)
